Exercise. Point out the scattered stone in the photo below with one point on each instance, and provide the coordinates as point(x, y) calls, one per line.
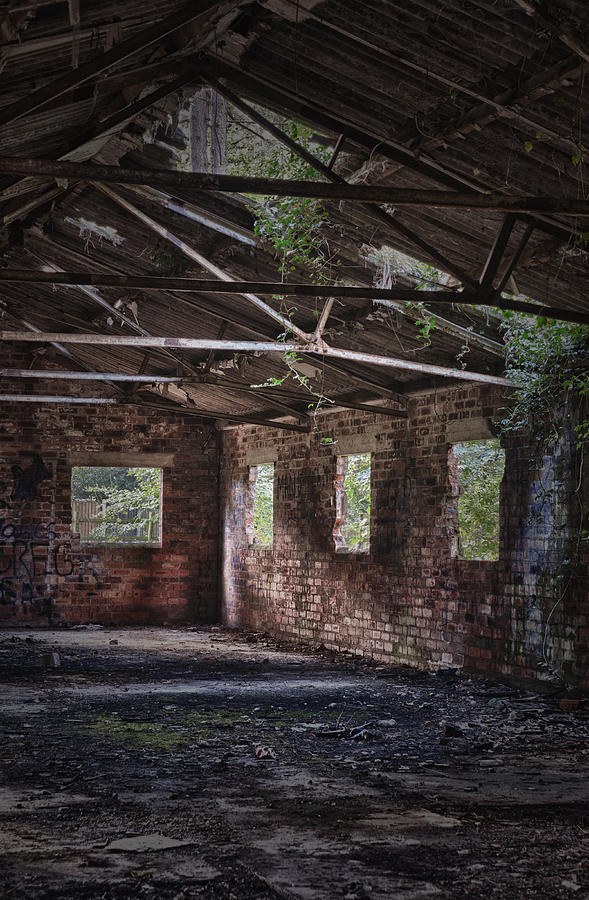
point(86, 627)
point(489, 763)
point(265, 753)
point(114, 641)
point(52, 660)
point(449, 730)
point(144, 843)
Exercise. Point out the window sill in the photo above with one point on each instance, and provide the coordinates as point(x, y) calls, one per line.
point(122, 545)
point(348, 551)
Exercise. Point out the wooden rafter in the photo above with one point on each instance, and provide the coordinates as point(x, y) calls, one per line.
point(496, 253)
point(555, 19)
point(99, 300)
point(98, 128)
point(267, 393)
point(373, 141)
point(197, 257)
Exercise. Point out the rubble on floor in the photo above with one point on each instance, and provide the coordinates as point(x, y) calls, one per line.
point(179, 763)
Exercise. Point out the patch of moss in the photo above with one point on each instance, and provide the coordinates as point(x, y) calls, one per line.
point(139, 734)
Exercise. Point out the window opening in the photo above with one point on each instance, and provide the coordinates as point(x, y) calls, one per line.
point(351, 531)
point(117, 504)
point(477, 469)
point(261, 524)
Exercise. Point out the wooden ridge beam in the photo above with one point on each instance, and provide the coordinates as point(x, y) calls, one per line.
point(339, 292)
point(320, 349)
point(492, 201)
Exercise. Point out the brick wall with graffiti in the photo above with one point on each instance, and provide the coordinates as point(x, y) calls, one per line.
point(46, 572)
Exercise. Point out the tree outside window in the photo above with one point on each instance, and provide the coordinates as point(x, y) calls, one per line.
point(477, 467)
point(260, 523)
point(117, 504)
point(351, 532)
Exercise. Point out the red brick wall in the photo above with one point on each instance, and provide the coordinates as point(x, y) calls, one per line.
point(410, 600)
point(42, 560)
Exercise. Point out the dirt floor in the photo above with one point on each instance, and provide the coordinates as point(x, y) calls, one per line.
point(198, 763)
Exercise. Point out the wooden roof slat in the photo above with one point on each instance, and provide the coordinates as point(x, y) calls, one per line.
point(186, 15)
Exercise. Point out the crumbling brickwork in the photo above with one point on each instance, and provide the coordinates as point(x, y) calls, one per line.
point(46, 570)
point(410, 600)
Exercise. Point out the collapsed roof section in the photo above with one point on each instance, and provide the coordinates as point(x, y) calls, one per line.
point(479, 100)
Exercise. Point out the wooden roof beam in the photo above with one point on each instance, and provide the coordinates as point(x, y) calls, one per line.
point(496, 253)
point(320, 349)
point(270, 396)
point(492, 201)
point(197, 257)
point(262, 91)
point(99, 300)
point(512, 264)
point(383, 296)
point(98, 128)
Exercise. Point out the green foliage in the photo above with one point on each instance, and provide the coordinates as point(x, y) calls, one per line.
point(292, 225)
point(264, 505)
point(131, 499)
point(545, 358)
point(480, 471)
point(356, 530)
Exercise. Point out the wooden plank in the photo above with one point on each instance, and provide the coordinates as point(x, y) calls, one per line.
point(74, 10)
point(89, 376)
point(199, 128)
point(53, 398)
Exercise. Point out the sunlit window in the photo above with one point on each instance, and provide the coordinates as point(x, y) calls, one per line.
point(477, 467)
point(261, 525)
point(117, 504)
point(351, 532)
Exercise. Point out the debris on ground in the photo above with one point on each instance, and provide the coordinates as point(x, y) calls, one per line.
point(237, 766)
